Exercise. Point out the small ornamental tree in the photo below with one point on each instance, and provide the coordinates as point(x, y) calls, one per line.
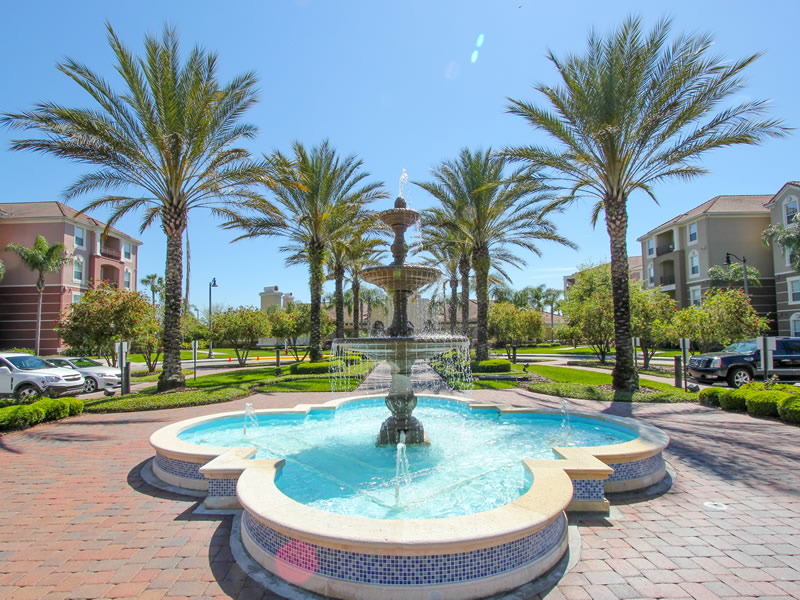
point(589, 308)
point(724, 317)
point(733, 274)
point(149, 342)
point(651, 314)
point(104, 316)
point(294, 321)
point(241, 329)
point(510, 325)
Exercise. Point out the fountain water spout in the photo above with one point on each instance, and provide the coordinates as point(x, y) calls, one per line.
point(250, 417)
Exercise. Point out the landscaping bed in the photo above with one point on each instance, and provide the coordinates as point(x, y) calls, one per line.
point(757, 399)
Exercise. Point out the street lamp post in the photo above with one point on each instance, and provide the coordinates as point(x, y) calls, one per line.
point(211, 284)
point(743, 260)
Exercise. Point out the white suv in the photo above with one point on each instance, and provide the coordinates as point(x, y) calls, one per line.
point(24, 376)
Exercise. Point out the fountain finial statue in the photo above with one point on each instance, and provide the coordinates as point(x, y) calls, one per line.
point(401, 349)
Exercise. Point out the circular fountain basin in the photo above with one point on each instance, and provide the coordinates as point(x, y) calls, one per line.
point(305, 534)
point(409, 348)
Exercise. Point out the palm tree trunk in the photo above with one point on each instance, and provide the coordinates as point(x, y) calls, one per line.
point(356, 307)
point(453, 304)
point(552, 308)
point(463, 268)
point(315, 259)
point(626, 379)
point(40, 288)
point(480, 262)
point(338, 274)
point(171, 376)
point(188, 273)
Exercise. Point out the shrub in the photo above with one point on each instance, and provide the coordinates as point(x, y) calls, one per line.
point(711, 396)
point(789, 409)
point(494, 365)
point(736, 399)
point(75, 406)
point(20, 416)
point(765, 404)
point(303, 368)
point(54, 409)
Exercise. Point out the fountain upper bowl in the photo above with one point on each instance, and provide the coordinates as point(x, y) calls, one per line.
point(406, 278)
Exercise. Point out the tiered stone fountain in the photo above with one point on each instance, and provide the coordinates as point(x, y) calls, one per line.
point(401, 349)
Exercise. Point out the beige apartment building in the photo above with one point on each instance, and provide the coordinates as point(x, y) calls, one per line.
point(94, 258)
point(678, 254)
point(783, 206)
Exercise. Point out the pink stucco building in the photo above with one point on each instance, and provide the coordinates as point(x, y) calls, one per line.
point(112, 259)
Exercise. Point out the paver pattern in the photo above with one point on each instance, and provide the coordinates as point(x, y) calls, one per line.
point(78, 521)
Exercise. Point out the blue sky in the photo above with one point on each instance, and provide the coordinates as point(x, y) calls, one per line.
point(394, 84)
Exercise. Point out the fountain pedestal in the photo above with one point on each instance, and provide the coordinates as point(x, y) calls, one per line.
point(401, 402)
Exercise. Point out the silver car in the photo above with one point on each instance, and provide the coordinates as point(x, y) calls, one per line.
point(97, 375)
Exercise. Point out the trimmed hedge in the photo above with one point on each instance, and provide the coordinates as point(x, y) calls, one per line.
point(711, 396)
point(20, 416)
point(765, 404)
point(494, 365)
point(789, 409)
point(736, 400)
point(304, 368)
point(592, 392)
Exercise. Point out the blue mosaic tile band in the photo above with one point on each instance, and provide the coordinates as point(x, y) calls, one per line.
point(588, 489)
point(180, 468)
point(222, 487)
point(405, 570)
point(636, 469)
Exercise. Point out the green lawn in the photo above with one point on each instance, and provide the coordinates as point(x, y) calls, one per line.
point(596, 364)
point(218, 353)
point(539, 350)
point(574, 383)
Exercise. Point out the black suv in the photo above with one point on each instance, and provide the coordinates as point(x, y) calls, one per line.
point(740, 362)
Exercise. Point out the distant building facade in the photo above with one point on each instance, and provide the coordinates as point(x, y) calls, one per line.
point(635, 271)
point(782, 207)
point(113, 259)
point(678, 254)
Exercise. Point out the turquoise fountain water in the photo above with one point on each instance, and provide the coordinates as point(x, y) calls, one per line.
point(475, 464)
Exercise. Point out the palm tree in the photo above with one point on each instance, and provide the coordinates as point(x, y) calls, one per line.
point(636, 110)
point(155, 283)
point(444, 252)
point(361, 253)
point(551, 297)
point(374, 298)
point(41, 258)
point(490, 213)
point(2, 270)
point(320, 195)
point(170, 134)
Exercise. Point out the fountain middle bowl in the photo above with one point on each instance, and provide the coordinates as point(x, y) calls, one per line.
point(416, 347)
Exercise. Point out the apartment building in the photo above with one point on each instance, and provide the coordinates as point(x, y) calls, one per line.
point(635, 272)
point(94, 258)
point(783, 206)
point(678, 254)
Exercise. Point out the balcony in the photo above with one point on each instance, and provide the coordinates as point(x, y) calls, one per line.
point(665, 249)
point(667, 280)
point(109, 252)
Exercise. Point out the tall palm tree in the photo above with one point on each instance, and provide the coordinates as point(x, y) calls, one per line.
point(443, 251)
point(636, 110)
point(551, 298)
point(490, 213)
point(169, 135)
point(361, 253)
point(155, 283)
point(320, 195)
point(42, 258)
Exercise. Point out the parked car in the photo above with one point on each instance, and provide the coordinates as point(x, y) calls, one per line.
point(739, 363)
point(97, 375)
point(25, 376)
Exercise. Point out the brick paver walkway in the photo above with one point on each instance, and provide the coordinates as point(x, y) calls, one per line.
point(78, 521)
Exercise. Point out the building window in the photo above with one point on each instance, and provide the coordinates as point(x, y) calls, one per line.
point(695, 296)
point(694, 264)
point(789, 210)
point(77, 269)
point(127, 279)
point(76, 297)
point(80, 238)
point(692, 233)
point(126, 251)
point(651, 247)
point(794, 325)
point(651, 274)
point(794, 290)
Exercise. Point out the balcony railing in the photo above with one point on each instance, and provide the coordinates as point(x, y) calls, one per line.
point(665, 249)
point(667, 279)
point(110, 252)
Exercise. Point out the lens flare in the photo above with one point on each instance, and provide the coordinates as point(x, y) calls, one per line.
point(474, 57)
point(479, 43)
